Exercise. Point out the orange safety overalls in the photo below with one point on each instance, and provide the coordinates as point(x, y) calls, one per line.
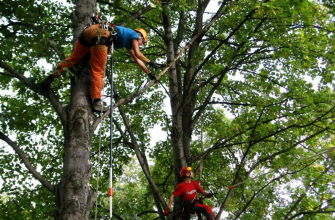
point(98, 57)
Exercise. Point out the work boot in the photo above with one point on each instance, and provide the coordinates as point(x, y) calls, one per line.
point(98, 107)
point(46, 83)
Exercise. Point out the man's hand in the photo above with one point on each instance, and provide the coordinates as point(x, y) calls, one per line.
point(209, 195)
point(166, 212)
point(152, 76)
point(154, 65)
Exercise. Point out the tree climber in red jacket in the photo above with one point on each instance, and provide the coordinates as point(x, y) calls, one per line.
point(188, 190)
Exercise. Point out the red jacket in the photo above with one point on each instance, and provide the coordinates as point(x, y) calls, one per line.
point(188, 191)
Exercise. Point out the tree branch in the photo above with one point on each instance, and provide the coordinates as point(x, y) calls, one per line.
point(266, 185)
point(36, 88)
point(139, 92)
point(202, 108)
point(133, 15)
point(209, 96)
point(307, 188)
point(36, 29)
point(143, 162)
point(275, 154)
point(27, 163)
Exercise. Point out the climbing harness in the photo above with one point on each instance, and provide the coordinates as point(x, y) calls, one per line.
point(188, 203)
point(105, 25)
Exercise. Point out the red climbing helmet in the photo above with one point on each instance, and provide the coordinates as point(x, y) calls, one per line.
point(185, 170)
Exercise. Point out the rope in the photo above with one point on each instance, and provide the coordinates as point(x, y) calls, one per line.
point(201, 133)
point(98, 170)
point(99, 152)
point(110, 189)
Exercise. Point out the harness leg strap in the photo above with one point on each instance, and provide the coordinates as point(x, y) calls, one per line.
point(103, 41)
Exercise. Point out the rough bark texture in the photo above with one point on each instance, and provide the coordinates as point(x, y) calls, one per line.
point(74, 197)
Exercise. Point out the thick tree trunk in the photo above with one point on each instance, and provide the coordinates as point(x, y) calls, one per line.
point(74, 197)
point(182, 93)
point(175, 100)
point(190, 82)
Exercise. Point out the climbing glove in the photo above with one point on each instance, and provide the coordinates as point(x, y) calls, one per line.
point(152, 76)
point(154, 65)
point(209, 195)
point(166, 212)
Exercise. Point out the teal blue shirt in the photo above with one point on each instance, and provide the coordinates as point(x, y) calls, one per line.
point(125, 37)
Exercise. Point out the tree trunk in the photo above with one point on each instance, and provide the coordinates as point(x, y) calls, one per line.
point(183, 95)
point(175, 100)
point(74, 196)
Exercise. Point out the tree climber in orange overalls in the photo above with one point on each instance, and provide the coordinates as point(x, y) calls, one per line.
point(97, 38)
point(188, 190)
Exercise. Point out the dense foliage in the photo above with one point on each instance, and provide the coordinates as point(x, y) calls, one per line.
point(260, 77)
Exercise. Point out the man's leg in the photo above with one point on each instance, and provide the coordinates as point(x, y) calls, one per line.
point(78, 52)
point(206, 210)
point(98, 62)
point(187, 211)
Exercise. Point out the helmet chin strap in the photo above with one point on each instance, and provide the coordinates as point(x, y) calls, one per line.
point(191, 176)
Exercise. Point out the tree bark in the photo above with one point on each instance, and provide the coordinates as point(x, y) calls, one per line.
point(175, 100)
point(175, 94)
point(74, 196)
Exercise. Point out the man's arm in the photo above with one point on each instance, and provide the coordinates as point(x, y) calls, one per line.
point(167, 210)
point(204, 193)
point(207, 195)
point(138, 61)
point(137, 51)
point(170, 201)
